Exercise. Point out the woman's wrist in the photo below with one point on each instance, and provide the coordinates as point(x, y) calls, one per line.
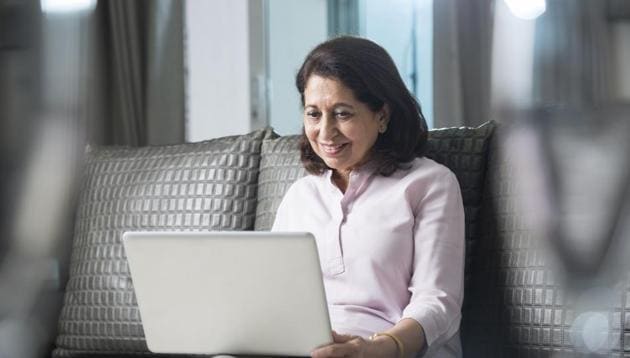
point(382, 346)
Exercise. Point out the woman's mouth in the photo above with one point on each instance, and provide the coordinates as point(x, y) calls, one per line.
point(332, 149)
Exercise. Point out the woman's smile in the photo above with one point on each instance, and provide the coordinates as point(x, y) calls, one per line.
point(333, 149)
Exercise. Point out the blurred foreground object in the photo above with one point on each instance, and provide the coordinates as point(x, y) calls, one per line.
point(560, 86)
point(574, 170)
point(572, 179)
point(43, 82)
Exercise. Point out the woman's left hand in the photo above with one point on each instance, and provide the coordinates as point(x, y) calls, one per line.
point(343, 346)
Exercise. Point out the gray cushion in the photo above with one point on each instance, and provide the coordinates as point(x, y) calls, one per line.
point(280, 166)
point(465, 150)
point(209, 185)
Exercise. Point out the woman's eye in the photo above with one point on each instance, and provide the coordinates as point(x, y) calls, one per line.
point(312, 114)
point(343, 115)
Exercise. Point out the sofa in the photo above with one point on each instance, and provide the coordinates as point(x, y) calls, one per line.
point(512, 307)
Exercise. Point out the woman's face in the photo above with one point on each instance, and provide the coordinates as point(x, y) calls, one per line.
point(341, 129)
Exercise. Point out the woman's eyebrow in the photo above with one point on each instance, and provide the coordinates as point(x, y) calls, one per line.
point(339, 104)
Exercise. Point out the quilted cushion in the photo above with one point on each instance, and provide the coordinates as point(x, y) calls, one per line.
point(209, 185)
point(280, 166)
point(465, 151)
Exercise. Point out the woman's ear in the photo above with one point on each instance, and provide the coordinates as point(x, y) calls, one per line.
point(383, 118)
point(385, 112)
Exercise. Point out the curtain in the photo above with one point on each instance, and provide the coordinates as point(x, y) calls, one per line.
point(571, 55)
point(143, 72)
point(462, 37)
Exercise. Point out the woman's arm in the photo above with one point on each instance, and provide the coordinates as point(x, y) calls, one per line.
point(437, 282)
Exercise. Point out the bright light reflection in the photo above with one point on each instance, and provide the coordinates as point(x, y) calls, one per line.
point(526, 9)
point(63, 6)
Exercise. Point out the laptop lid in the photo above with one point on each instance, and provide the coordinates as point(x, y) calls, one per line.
point(229, 292)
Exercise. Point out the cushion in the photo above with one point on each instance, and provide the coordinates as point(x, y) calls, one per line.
point(464, 150)
point(209, 185)
point(280, 166)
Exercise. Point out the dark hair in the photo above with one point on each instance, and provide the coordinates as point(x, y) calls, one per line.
point(368, 70)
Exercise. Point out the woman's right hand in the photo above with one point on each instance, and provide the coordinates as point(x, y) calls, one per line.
point(356, 347)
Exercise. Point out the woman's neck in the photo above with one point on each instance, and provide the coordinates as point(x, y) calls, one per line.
point(341, 179)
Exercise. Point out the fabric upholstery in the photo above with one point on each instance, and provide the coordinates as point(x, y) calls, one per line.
point(464, 150)
point(210, 185)
point(280, 166)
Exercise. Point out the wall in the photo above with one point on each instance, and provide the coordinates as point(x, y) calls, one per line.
point(218, 69)
point(389, 23)
point(238, 79)
point(295, 27)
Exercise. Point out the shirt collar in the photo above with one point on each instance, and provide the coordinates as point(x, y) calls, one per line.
point(359, 177)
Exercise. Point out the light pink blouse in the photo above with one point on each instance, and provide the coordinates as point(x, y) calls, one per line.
point(390, 248)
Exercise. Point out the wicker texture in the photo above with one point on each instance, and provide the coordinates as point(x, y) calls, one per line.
point(210, 185)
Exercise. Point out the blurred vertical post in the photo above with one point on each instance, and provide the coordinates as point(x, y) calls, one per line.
point(46, 83)
point(567, 140)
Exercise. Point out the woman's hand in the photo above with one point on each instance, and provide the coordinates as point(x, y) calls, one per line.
point(357, 347)
point(343, 346)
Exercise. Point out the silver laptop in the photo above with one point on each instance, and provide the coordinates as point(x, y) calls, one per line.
point(229, 292)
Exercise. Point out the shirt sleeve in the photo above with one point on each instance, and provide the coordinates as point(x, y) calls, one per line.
point(437, 281)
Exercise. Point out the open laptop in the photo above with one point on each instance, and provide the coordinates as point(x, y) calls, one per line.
point(255, 293)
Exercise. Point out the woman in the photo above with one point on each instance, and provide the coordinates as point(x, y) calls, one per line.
point(389, 226)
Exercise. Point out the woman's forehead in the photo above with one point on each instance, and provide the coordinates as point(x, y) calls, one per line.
point(326, 90)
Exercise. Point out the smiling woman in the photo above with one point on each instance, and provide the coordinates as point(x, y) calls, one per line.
point(340, 129)
point(389, 225)
point(363, 74)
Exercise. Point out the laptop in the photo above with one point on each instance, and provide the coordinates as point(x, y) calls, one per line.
point(258, 293)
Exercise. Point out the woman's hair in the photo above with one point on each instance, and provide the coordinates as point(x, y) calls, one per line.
point(368, 70)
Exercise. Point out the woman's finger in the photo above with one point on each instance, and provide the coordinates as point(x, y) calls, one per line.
point(335, 350)
point(341, 338)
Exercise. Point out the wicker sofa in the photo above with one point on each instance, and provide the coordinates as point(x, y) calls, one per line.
point(512, 306)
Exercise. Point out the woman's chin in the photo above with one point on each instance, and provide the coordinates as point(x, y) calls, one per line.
point(336, 165)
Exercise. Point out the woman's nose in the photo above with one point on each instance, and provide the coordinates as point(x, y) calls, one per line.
point(328, 127)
